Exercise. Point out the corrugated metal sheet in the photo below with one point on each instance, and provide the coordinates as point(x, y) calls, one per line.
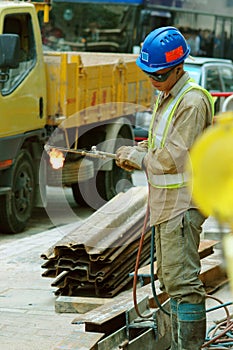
point(96, 259)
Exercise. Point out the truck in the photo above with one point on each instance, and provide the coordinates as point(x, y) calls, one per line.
point(121, 25)
point(71, 100)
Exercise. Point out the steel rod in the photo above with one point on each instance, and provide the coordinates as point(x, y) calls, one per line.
point(94, 153)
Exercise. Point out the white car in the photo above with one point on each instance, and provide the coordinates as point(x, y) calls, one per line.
point(214, 74)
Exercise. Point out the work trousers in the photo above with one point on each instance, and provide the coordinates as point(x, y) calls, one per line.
point(178, 261)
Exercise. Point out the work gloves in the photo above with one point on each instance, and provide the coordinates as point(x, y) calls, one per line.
point(130, 158)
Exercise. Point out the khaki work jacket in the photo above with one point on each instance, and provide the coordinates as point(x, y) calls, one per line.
point(192, 115)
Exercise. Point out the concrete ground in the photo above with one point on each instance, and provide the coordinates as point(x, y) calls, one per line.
point(27, 317)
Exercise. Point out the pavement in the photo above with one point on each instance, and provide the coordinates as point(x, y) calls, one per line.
point(28, 320)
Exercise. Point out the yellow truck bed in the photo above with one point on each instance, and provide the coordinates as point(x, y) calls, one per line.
point(93, 87)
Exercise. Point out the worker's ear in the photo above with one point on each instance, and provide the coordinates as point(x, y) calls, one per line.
point(178, 69)
point(177, 72)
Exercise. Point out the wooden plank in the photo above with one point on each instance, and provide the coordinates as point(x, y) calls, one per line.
point(80, 305)
point(212, 275)
point(110, 317)
point(206, 247)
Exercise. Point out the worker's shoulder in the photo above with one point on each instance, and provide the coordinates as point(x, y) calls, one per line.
point(195, 99)
point(197, 93)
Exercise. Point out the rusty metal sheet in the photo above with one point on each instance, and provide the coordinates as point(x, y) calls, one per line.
point(49, 273)
point(104, 287)
point(107, 280)
point(120, 235)
point(79, 340)
point(112, 286)
point(155, 335)
point(106, 225)
point(98, 256)
point(109, 255)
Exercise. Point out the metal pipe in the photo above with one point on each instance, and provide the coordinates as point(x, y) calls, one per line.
point(94, 153)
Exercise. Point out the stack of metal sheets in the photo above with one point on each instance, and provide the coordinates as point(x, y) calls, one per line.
point(96, 259)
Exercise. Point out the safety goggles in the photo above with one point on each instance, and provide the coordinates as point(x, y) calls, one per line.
point(160, 77)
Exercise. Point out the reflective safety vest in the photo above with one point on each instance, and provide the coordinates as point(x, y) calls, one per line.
point(157, 140)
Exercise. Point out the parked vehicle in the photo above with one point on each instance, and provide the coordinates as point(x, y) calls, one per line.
point(121, 25)
point(215, 75)
point(71, 99)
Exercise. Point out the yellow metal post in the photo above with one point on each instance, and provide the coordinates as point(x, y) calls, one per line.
point(44, 7)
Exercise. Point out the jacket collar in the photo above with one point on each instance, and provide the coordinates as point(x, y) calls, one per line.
point(179, 84)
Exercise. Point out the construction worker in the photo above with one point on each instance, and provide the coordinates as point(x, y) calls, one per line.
point(182, 111)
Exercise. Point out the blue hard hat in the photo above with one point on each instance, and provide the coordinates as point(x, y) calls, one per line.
point(163, 48)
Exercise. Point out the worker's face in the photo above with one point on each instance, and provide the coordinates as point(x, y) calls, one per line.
point(165, 79)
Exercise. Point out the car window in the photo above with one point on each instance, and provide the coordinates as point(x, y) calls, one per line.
point(20, 24)
point(227, 78)
point(213, 81)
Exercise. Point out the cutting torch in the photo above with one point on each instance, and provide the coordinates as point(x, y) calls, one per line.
point(93, 153)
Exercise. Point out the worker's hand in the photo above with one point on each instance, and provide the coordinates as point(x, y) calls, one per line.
point(130, 158)
point(142, 146)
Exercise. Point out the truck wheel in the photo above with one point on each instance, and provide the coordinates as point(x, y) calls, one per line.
point(105, 185)
point(16, 209)
point(80, 192)
point(109, 183)
point(95, 192)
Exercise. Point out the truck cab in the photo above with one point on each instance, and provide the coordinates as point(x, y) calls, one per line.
point(23, 113)
point(26, 84)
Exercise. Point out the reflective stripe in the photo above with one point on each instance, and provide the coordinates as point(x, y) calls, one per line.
point(168, 180)
point(166, 118)
point(160, 134)
point(150, 134)
point(158, 139)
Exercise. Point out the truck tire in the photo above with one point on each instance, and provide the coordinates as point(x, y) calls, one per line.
point(16, 208)
point(109, 183)
point(105, 185)
point(82, 193)
point(96, 192)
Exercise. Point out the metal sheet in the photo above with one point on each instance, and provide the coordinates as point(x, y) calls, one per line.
point(79, 340)
point(107, 225)
point(99, 255)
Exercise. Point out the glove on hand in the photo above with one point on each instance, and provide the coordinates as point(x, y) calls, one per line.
point(130, 158)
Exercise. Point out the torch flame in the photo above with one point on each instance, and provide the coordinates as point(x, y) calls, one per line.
point(56, 158)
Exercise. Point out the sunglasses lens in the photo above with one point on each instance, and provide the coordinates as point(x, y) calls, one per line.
point(160, 77)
